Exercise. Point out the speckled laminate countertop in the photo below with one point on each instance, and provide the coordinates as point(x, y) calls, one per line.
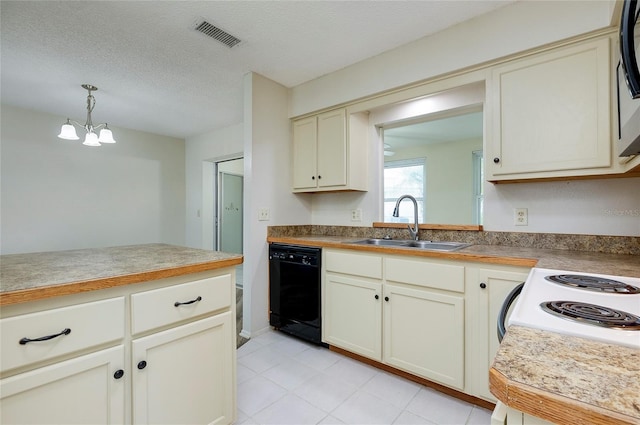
point(31, 276)
point(578, 261)
point(548, 375)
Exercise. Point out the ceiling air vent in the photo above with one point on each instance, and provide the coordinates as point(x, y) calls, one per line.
point(216, 33)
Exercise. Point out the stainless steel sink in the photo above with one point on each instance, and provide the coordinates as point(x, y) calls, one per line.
point(382, 242)
point(406, 243)
point(438, 246)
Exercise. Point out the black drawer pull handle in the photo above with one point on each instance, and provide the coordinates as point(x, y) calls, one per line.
point(178, 304)
point(119, 374)
point(24, 341)
point(142, 364)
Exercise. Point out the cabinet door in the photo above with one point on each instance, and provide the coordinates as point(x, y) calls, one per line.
point(83, 390)
point(188, 375)
point(497, 285)
point(305, 133)
point(332, 149)
point(352, 315)
point(424, 334)
point(551, 113)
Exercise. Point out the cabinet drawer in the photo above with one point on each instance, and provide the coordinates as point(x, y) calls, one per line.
point(156, 308)
point(354, 263)
point(90, 324)
point(422, 273)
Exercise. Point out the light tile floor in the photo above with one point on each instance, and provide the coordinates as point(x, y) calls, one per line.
point(283, 380)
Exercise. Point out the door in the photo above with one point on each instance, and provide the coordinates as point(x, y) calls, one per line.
point(84, 390)
point(185, 378)
point(352, 316)
point(424, 333)
point(231, 189)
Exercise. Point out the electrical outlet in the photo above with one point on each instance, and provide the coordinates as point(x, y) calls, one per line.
point(521, 217)
point(263, 214)
point(356, 215)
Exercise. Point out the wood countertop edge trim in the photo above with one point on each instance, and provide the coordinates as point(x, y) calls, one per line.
point(457, 255)
point(526, 398)
point(40, 293)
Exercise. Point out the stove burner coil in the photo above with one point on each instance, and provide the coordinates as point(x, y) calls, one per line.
point(592, 314)
point(593, 283)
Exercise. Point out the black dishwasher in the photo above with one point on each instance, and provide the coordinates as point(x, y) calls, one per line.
point(294, 291)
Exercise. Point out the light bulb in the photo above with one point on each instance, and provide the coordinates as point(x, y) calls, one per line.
point(106, 136)
point(91, 139)
point(68, 132)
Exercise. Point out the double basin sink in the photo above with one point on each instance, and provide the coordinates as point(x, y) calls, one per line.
point(407, 243)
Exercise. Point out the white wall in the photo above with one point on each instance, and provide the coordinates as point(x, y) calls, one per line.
point(601, 207)
point(267, 185)
point(201, 152)
point(58, 194)
point(519, 26)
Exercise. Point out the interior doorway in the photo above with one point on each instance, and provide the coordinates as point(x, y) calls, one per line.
point(228, 228)
point(229, 208)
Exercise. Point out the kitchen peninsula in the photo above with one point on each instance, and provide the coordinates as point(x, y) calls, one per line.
point(137, 324)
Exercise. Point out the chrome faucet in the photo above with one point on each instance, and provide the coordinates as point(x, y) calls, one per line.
point(412, 232)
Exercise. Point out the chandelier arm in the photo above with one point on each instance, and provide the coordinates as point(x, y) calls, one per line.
point(91, 103)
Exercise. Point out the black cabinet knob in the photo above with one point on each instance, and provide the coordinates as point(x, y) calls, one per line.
point(496, 160)
point(319, 177)
point(313, 177)
point(386, 298)
point(142, 364)
point(377, 296)
point(119, 374)
point(483, 285)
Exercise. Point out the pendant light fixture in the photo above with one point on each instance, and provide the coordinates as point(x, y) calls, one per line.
point(68, 131)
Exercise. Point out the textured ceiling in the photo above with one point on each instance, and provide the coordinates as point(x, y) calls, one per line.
point(156, 73)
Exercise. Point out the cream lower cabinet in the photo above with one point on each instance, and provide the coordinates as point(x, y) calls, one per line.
point(154, 352)
point(401, 317)
point(182, 375)
point(505, 415)
point(352, 302)
point(488, 288)
point(87, 389)
point(353, 316)
point(433, 318)
point(424, 333)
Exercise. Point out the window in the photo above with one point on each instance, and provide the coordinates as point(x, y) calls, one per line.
point(404, 177)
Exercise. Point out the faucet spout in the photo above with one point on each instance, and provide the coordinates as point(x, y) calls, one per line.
point(413, 232)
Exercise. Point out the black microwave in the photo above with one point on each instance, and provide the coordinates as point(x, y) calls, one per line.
point(628, 75)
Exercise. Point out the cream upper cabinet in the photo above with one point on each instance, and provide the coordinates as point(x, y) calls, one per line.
point(330, 152)
point(488, 287)
point(550, 114)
